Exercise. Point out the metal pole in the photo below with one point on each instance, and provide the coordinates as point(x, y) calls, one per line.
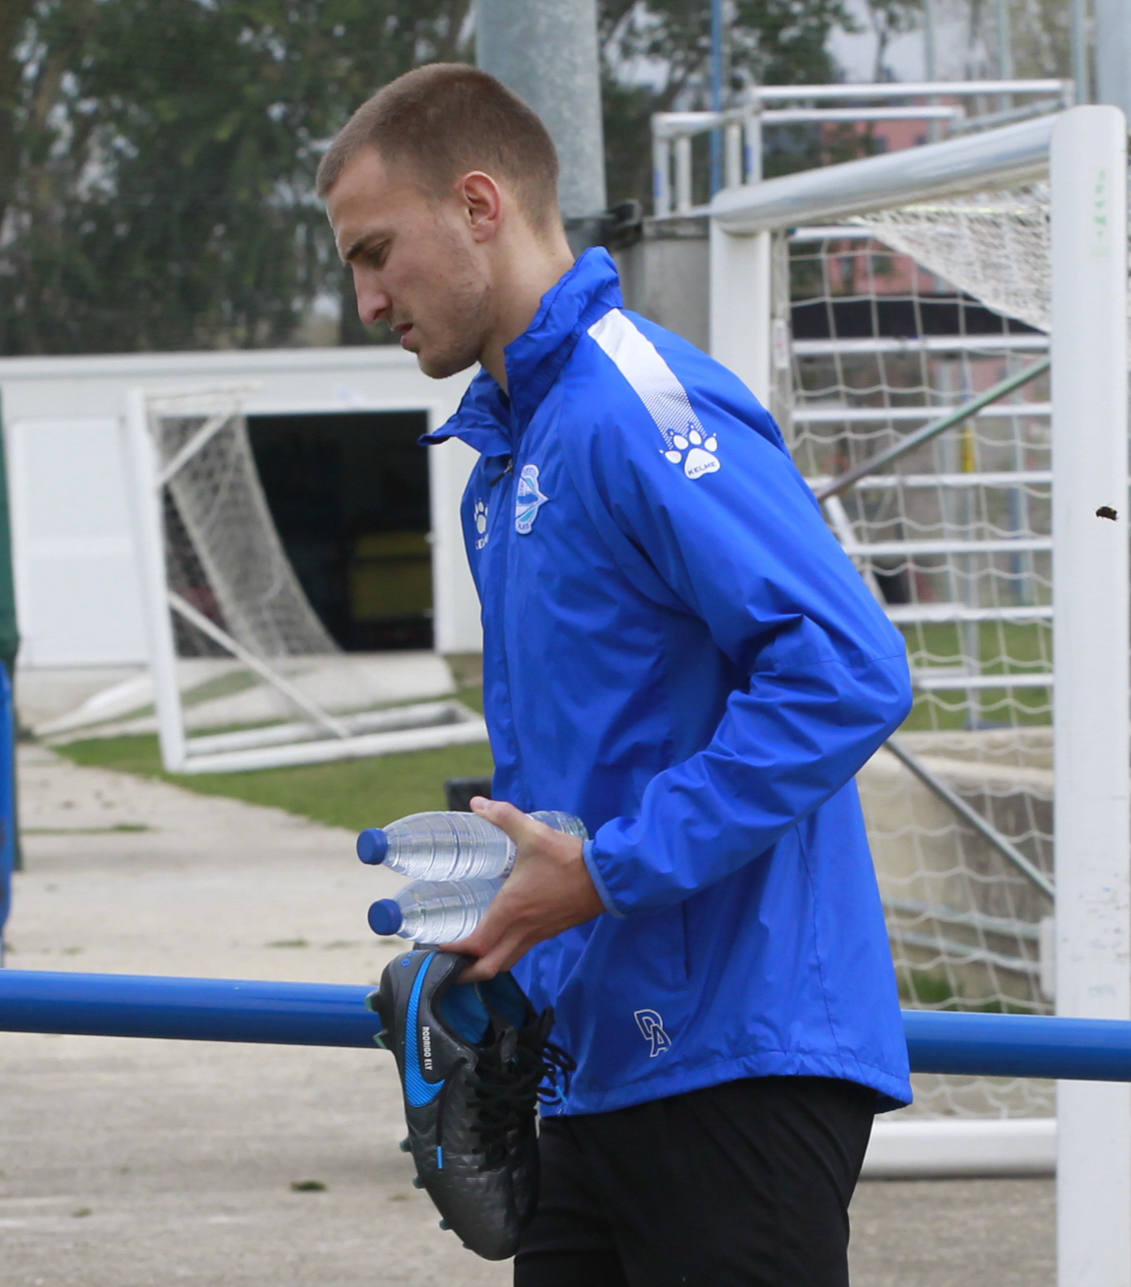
point(1012, 154)
point(1080, 53)
point(1026, 1045)
point(546, 51)
point(1004, 51)
point(971, 816)
point(1092, 808)
point(7, 799)
point(261, 1011)
point(932, 430)
point(142, 466)
point(716, 93)
point(1113, 54)
point(930, 59)
point(187, 1009)
point(661, 176)
point(742, 286)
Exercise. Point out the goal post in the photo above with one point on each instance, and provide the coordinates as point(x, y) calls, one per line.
point(928, 275)
point(229, 627)
point(741, 217)
point(1091, 640)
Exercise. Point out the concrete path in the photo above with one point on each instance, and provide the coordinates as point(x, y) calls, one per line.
point(126, 1163)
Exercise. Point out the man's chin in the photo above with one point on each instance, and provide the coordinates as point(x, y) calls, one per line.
point(439, 368)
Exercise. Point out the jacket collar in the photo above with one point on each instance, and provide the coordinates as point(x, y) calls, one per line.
point(488, 419)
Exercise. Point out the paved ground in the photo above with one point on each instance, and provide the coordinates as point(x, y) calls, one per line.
point(125, 1163)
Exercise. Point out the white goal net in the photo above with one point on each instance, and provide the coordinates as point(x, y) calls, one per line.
point(943, 333)
point(245, 674)
point(223, 557)
point(898, 321)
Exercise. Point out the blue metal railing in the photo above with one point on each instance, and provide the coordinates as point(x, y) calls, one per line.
point(7, 800)
point(146, 1005)
point(324, 1014)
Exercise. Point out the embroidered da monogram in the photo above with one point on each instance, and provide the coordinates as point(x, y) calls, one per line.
point(651, 1025)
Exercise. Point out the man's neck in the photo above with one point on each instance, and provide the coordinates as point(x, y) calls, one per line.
point(523, 281)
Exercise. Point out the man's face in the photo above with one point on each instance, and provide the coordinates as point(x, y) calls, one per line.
point(415, 265)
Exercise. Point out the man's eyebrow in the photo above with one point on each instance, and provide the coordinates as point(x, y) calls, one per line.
point(359, 244)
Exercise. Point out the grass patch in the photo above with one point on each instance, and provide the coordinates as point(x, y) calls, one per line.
point(1002, 647)
point(347, 793)
point(923, 989)
point(87, 831)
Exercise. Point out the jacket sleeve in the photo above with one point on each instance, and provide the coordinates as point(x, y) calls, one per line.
point(738, 540)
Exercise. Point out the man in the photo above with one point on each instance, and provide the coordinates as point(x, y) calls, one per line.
point(677, 651)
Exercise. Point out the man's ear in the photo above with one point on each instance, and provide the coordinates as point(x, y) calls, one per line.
point(482, 203)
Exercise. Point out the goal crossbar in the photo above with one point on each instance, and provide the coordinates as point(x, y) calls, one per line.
point(1013, 154)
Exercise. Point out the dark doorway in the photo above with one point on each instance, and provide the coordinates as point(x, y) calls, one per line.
point(348, 492)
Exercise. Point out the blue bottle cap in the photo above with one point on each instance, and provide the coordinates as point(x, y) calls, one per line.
point(372, 846)
point(385, 916)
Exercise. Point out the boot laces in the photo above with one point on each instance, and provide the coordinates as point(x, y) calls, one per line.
point(508, 1081)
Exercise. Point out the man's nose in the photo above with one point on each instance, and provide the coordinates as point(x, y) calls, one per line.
point(372, 302)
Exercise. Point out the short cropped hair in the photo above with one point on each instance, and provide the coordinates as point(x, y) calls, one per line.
point(445, 119)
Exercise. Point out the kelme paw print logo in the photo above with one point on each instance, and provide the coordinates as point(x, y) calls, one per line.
point(479, 517)
point(694, 452)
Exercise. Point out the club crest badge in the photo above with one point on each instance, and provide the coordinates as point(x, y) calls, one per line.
point(528, 499)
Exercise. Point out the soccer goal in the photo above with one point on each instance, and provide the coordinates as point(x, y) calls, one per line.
point(244, 673)
point(942, 334)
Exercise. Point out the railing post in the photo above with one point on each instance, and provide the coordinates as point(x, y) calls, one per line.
point(733, 169)
point(753, 145)
point(661, 174)
point(7, 798)
point(682, 173)
point(740, 312)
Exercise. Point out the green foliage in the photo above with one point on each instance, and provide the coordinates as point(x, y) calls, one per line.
point(1041, 39)
point(888, 19)
point(927, 990)
point(1012, 647)
point(157, 156)
point(164, 159)
point(348, 793)
point(773, 42)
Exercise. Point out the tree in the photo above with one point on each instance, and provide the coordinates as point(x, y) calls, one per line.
point(165, 154)
point(1040, 39)
point(775, 42)
point(888, 19)
point(157, 157)
point(13, 20)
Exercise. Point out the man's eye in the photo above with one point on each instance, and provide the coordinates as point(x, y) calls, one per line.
point(376, 257)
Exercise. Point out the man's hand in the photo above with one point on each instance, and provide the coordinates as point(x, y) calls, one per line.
point(548, 891)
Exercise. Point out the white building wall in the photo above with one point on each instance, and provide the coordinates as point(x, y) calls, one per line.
point(77, 595)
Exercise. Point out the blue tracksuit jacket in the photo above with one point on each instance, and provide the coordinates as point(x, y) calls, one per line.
point(677, 650)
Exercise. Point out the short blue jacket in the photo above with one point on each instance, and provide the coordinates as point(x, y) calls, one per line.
point(677, 650)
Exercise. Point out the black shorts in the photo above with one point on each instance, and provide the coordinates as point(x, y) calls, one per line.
point(746, 1183)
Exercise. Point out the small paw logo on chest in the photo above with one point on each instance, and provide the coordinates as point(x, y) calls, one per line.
point(694, 452)
point(479, 518)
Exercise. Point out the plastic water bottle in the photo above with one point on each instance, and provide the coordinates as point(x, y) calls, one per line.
point(450, 846)
point(433, 911)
